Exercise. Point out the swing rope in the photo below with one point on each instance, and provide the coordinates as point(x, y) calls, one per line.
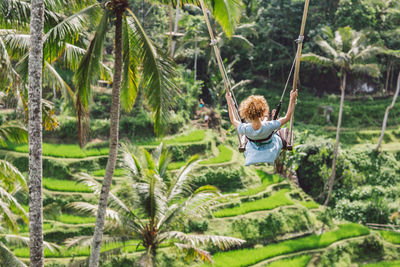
point(227, 84)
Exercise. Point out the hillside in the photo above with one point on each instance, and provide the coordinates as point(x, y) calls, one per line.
point(282, 225)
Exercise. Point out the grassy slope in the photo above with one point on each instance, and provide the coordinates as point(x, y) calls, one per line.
point(276, 200)
point(301, 261)
point(246, 257)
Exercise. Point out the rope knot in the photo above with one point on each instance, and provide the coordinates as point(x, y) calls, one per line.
point(213, 42)
point(300, 39)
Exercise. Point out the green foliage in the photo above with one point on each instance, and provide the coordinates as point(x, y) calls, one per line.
point(226, 180)
point(276, 200)
point(270, 227)
point(389, 236)
point(374, 211)
point(383, 264)
point(197, 226)
point(300, 261)
point(246, 257)
point(357, 14)
point(225, 155)
point(346, 254)
point(65, 185)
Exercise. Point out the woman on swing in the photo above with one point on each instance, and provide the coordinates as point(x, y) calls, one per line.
point(255, 110)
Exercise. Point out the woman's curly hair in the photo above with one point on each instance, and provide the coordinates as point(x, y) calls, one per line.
point(255, 106)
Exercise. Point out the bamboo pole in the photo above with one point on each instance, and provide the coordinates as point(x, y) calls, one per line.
point(221, 67)
point(298, 59)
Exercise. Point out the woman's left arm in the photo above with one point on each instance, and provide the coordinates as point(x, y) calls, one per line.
point(234, 121)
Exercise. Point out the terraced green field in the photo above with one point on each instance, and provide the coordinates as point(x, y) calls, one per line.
point(266, 194)
point(247, 257)
point(276, 200)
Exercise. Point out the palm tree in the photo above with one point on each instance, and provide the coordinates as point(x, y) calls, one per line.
point(155, 204)
point(347, 51)
point(138, 64)
point(35, 134)
point(63, 39)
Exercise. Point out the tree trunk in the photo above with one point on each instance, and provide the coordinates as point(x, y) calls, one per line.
point(387, 114)
point(112, 156)
point(170, 30)
point(336, 148)
point(195, 57)
point(175, 28)
point(387, 77)
point(35, 134)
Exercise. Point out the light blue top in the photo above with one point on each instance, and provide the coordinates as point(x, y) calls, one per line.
point(266, 152)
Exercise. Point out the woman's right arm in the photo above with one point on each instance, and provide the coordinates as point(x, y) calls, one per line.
point(234, 121)
point(289, 113)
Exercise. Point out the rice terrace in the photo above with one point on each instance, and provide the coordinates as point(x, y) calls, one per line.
point(199, 133)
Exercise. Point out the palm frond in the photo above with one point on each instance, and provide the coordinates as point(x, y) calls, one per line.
point(91, 209)
point(316, 59)
point(13, 131)
point(18, 43)
point(68, 30)
point(17, 13)
point(227, 13)
point(131, 73)
point(193, 253)
point(87, 73)
point(7, 258)
point(367, 69)
point(130, 162)
point(24, 241)
point(157, 73)
point(194, 240)
point(5, 59)
point(86, 241)
point(53, 79)
point(327, 48)
point(368, 52)
point(96, 187)
point(10, 176)
point(8, 217)
point(178, 184)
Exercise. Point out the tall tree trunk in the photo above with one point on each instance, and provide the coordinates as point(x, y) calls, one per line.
point(170, 30)
point(387, 77)
point(175, 28)
point(195, 57)
point(387, 114)
point(336, 148)
point(112, 156)
point(35, 134)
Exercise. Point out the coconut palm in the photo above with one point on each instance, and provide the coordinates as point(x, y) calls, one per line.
point(138, 64)
point(348, 52)
point(64, 37)
point(154, 206)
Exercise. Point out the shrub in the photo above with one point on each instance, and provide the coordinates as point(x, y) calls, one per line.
point(226, 180)
point(196, 226)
